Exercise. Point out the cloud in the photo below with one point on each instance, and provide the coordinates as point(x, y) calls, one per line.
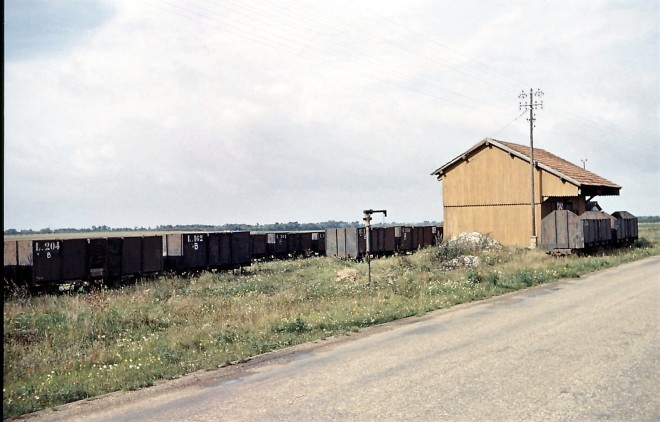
point(197, 112)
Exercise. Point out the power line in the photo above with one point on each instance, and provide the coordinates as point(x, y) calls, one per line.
point(331, 39)
point(205, 15)
point(508, 124)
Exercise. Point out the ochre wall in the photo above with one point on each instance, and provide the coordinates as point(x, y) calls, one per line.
point(490, 193)
point(508, 224)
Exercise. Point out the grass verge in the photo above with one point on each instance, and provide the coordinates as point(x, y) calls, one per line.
point(62, 348)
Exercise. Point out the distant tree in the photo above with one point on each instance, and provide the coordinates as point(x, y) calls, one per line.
point(277, 226)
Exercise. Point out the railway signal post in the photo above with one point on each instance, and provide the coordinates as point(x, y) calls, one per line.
point(367, 233)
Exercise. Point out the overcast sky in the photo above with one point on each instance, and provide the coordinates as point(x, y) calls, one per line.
point(140, 113)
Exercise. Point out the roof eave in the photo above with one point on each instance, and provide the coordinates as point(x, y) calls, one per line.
point(598, 190)
point(440, 171)
point(613, 191)
point(489, 141)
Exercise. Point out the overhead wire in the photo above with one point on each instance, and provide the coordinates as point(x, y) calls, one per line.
point(368, 58)
point(362, 25)
point(373, 60)
point(508, 124)
point(590, 126)
point(595, 125)
point(206, 15)
point(370, 21)
point(604, 129)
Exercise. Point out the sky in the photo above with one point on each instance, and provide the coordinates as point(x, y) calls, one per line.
point(139, 113)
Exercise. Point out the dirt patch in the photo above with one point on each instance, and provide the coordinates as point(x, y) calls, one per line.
point(347, 274)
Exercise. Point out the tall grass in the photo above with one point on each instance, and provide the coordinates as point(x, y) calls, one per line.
point(61, 348)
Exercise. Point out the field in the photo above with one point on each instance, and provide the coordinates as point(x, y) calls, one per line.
point(61, 348)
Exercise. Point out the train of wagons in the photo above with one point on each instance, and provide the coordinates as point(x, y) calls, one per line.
point(51, 262)
point(564, 232)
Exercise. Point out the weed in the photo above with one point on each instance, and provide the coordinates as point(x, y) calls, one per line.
point(296, 326)
point(473, 276)
point(493, 278)
point(62, 348)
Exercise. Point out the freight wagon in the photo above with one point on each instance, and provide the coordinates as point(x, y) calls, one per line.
point(352, 243)
point(46, 262)
point(563, 231)
point(190, 252)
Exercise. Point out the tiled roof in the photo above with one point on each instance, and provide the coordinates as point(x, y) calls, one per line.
point(561, 166)
point(548, 161)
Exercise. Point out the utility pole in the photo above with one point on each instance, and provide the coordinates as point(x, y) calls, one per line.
point(532, 104)
point(367, 235)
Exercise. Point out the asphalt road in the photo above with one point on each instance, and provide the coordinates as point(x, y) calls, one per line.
point(577, 350)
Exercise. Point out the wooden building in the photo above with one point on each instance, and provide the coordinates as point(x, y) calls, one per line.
point(487, 190)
